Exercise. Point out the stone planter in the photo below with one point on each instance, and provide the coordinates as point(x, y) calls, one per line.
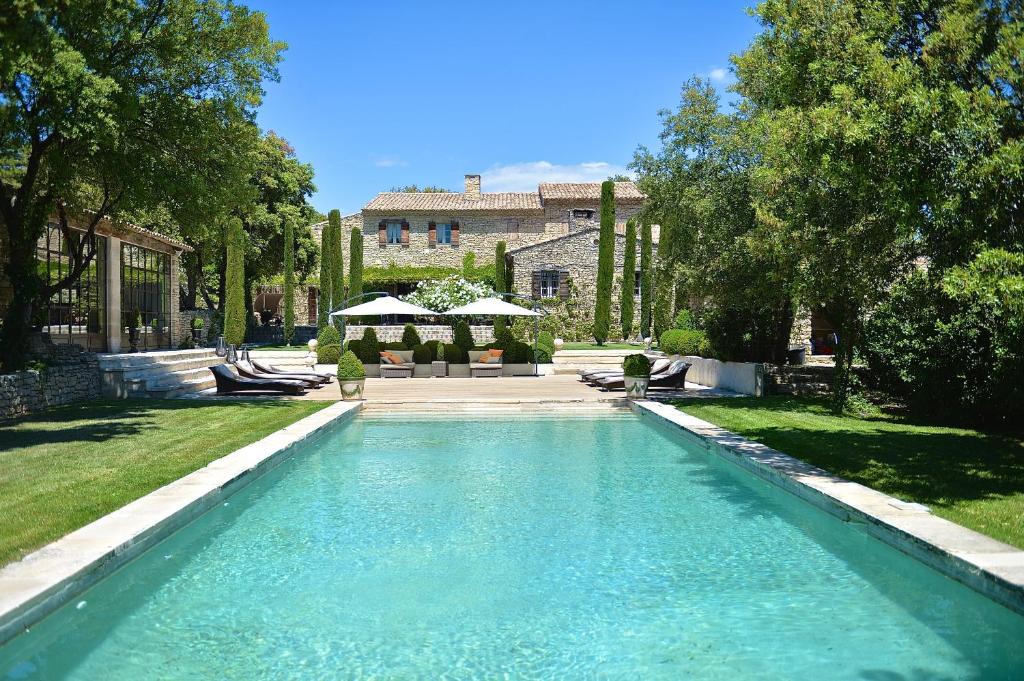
point(439, 369)
point(636, 386)
point(351, 388)
point(133, 338)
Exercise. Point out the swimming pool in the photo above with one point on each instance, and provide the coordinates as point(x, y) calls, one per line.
point(537, 548)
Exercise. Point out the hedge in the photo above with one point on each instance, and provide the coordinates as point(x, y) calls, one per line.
point(684, 342)
point(328, 345)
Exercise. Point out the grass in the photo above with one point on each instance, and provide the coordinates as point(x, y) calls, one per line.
point(64, 468)
point(606, 346)
point(972, 478)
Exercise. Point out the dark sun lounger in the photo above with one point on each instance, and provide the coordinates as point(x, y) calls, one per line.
point(228, 383)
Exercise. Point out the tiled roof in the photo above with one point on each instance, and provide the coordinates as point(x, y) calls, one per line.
point(453, 201)
point(124, 224)
point(625, 192)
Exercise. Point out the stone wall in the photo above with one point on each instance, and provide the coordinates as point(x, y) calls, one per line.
point(183, 323)
point(478, 232)
point(71, 375)
point(482, 335)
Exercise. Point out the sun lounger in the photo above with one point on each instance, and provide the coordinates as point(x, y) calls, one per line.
point(228, 383)
point(658, 366)
point(674, 377)
point(247, 370)
point(268, 369)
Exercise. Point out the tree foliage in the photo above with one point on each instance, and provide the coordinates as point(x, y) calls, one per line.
point(646, 278)
point(337, 263)
point(326, 271)
point(628, 279)
point(289, 280)
point(355, 263)
point(235, 321)
point(500, 283)
point(135, 104)
point(605, 264)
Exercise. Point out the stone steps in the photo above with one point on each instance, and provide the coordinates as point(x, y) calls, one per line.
point(158, 374)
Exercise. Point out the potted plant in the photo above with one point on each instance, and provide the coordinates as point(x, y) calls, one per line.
point(134, 329)
point(636, 371)
point(197, 329)
point(439, 367)
point(351, 376)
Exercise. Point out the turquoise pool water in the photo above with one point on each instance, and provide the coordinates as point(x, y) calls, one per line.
point(526, 548)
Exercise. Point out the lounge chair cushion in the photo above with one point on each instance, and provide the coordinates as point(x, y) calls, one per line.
point(388, 357)
point(491, 357)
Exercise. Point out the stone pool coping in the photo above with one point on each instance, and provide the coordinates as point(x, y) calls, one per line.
point(990, 567)
point(44, 580)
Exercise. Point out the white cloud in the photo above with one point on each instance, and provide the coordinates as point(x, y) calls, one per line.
point(524, 177)
point(390, 162)
point(718, 75)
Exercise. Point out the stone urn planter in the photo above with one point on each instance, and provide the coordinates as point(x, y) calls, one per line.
point(134, 334)
point(636, 386)
point(351, 388)
point(351, 376)
point(197, 335)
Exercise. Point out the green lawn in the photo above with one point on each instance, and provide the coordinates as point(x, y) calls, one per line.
point(606, 346)
point(973, 478)
point(63, 469)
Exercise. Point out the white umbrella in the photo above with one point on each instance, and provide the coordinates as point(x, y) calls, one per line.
point(492, 306)
point(384, 305)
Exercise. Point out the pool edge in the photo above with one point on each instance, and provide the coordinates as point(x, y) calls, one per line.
point(988, 566)
point(50, 577)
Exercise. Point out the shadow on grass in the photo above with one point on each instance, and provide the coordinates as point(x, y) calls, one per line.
point(103, 420)
point(926, 463)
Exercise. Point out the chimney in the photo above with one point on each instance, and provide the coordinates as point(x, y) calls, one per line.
point(473, 187)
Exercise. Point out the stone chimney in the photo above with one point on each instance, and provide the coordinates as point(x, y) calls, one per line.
point(473, 187)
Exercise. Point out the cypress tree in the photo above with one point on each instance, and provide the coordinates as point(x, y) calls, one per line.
point(234, 306)
point(628, 278)
point(289, 280)
point(646, 278)
point(499, 283)
point(337, 264)
point(355, 263)
point(324, 304)
point(605, 264)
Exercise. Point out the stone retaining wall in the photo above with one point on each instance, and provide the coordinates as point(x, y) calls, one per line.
point(71, 375)
point(482, 335)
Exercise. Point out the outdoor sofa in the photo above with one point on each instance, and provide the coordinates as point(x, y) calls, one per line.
point(228, 383)
point(479, 369)
point(674, 377)
point(402, 369)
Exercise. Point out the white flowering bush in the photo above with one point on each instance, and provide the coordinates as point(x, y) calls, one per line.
point(445, 294)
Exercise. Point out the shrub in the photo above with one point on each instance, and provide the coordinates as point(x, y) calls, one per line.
point(628, 279)
point(234, 307)
point(637, 365)
point(605, 264)
point(684, 342)
point(439, 354)
point(421, 354)
point(355, 263)
point(499, 280)
point(646, 278)
point(289, 280)
point(328, 345)
point(411, 337)
point(454, 354)
point(684, 320)
point(186, 343)
point(370, 347)
point(349, 366)
point(445, 294)
point(545, 347)
point(463, 336)
point(355, 346)
point(197, 322)
point(397, 345)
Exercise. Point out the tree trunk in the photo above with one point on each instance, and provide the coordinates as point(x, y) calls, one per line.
point(848, 323)
point(785, 319)
point(17, 326)
point(190, 292)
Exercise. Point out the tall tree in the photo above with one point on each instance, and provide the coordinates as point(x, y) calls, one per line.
point(605, 264)
point(235, 320)
point(337, 263)
point(499, 282)
point(289, 280)
point(326, 270)
point(628, 278)
point(646, 278)
point(105, 107)
point(355, 263)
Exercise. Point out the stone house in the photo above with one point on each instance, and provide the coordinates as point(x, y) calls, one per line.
point(133, 273)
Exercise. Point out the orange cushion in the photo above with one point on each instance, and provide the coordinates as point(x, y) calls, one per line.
point(388, 357)
point(491, 357)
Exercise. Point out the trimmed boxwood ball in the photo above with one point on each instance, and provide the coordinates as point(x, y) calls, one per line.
point(328, 345)
point(411, 337)
point(350, 367)
point(545, 347)
point(421, 354)
point(684, 342)
point(370, 347)
point(453, 354)
point(434, 346)
point(637, 365)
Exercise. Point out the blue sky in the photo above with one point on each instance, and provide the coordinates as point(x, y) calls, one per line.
point(381, 94)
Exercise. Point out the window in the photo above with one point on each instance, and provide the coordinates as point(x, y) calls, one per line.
point(583, 214)
point(636, 285)
point(76, 312)
point(444, 233)
point(549, 283)
point(394, 232)
point(146, 295)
